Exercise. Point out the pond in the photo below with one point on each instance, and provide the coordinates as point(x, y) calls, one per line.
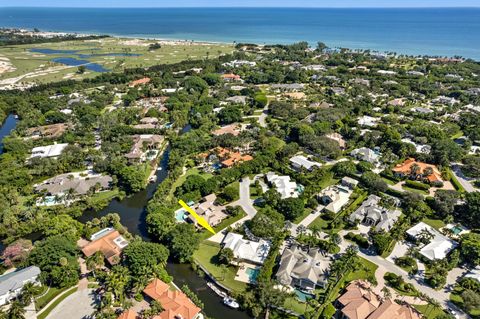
point(76, 62)
point(6, 127)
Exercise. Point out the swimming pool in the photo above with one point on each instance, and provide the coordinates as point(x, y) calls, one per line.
point(303, 296)
point(180, 215)
point(252, 274)
point(456, 229)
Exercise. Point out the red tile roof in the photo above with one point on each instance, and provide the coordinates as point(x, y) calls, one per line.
point(175, 303)
point(129, 314)
point(406, 167)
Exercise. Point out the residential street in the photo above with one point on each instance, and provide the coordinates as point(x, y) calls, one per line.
point(462, 179)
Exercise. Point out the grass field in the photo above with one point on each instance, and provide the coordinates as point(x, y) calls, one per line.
point(206, 256)
point(38, 67)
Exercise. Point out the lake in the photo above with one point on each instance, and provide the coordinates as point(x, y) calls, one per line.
point(6, 127)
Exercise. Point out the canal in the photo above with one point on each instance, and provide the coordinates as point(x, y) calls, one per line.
point(132, 212)
point(6, 127)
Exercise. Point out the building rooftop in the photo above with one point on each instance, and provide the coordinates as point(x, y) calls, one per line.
point(48, 151)
point(16, 279)
point(244, 249)
point(109, 242)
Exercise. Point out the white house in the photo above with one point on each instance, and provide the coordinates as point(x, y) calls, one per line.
point(48, 151)
point(12, 283)
point(367, 155)
point(299, 161)
point(284, 186)
point(439, 245)
point(247, 250)
point(335, 197)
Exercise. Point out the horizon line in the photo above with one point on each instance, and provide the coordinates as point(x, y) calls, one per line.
point(247, 7)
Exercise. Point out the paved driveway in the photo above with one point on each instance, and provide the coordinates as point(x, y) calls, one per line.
point(78, 305)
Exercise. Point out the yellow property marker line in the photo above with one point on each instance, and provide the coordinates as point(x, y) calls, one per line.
point(199, 219)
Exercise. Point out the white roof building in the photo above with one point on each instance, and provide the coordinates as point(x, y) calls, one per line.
point(335, 197)
point(366, 154)
point(48, 151)
point(438, 247)
point(285, 187)
point(300, 161)
point(11, 284)
point(420, 148)
point(244, 249)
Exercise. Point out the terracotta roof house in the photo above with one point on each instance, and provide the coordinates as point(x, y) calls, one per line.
point(359, 302)
point(230, 77)
point(405, 169)
point(109, 242)
point(139, 82)
point(175, 303)
point(233, 129)
point(129, 314)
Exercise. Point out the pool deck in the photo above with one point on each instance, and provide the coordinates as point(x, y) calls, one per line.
point(242, 274)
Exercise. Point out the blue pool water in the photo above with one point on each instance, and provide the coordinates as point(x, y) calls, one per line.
point(180, 215)
point(302, 296)
point(252, 274)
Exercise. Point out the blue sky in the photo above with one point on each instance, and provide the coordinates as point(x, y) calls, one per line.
point(242, 3)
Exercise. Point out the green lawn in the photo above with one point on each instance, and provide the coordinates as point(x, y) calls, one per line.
point(456, 298)
point(44, 314)
point(414, 190)
point(40, 65)
point(292, 303)
point(435, 223)
point(224, 224)
point(45, 299)
point(181, 179)
point(367, 272)
point(429, 312)
point(306, 212)
point(206, 255)
point(319, 222)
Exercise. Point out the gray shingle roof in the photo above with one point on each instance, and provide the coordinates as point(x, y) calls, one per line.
point(16, 279)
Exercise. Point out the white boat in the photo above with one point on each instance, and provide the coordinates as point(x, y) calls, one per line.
point(231, 303)
point(216, 290)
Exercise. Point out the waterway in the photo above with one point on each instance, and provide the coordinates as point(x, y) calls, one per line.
point(6, 127)
point(132, 212)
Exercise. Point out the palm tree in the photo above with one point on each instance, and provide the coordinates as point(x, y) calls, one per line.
point(387, 294)
point(16, 311)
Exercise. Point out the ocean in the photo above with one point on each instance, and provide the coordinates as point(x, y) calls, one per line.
point(442, 32)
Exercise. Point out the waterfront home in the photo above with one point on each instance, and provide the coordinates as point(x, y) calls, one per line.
point(175, 304)
point(246, 250)
point(109, 242)
point(299, 161)
point(143, 146)
point(11, 284)
point(77, 184)
point(419, 171)
point(283, 185)
point(360, 302)
point(303, 269)
point(47, 131)
point(207, 209)
point(139, 82)
point(49, 151)
point(337, 138)
point(371, 213)
point(438, 245)
point(366, 155)
point(222, 157)
point(335, 197)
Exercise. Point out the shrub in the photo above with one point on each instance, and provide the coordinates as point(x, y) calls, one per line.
point(358, 239)
point(417, 185)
